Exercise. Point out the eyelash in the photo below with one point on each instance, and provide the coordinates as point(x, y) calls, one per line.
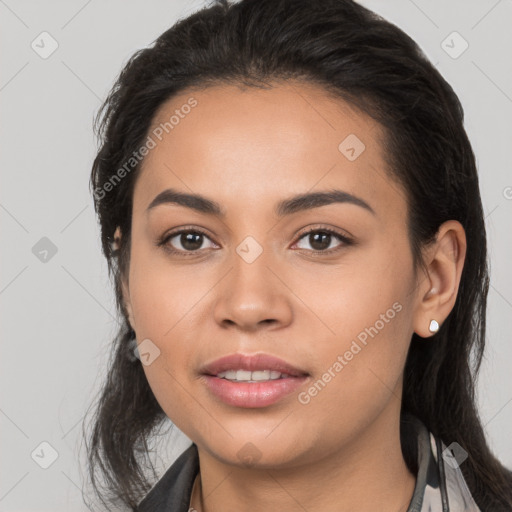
point(163, 241)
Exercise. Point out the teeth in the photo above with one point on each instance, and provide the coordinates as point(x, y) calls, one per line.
point(261, 375)
point(248, 376)
point(243, 375)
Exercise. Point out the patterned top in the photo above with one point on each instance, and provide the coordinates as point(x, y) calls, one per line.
point(440, 484)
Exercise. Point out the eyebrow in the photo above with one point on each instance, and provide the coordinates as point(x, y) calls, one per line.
point(288, 206)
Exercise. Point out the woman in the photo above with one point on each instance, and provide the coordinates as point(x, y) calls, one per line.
point(289, 207)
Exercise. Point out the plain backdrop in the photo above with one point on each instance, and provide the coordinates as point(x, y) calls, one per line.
point(57, 308)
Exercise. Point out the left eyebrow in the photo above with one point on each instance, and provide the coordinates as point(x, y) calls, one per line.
point(289, 206)
point(317, 199)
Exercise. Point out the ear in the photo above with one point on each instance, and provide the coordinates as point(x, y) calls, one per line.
point(127, 303)
point(125, 288)
point(437, 293)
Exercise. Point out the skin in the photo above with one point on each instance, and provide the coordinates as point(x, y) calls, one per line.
point(247, 149)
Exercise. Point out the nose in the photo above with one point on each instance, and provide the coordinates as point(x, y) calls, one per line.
point(253, 296)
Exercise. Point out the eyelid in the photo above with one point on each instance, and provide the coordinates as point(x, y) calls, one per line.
point(163, 241)
point(345, 238)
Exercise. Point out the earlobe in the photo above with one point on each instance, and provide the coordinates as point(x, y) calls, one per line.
point(116, 244)
point(438, 294)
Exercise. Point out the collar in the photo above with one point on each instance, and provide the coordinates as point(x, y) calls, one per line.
point(440, 484)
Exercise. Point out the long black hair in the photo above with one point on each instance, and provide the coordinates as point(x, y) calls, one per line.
point(365, 60)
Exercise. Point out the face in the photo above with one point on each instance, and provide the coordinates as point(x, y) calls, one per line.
point(325, 285)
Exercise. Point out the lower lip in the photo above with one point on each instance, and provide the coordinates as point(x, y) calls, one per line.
point(252, 394)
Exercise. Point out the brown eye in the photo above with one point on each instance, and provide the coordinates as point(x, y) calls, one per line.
point(190, 241)
point(185, 241)
point(321, 240)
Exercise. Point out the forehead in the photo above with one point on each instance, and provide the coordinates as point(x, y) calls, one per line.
point(253, 145)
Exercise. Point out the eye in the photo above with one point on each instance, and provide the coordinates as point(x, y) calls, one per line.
point(321, 239)
point(184, 241)
point(190, 241)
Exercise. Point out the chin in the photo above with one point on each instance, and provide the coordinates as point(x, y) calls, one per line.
point(258, 451)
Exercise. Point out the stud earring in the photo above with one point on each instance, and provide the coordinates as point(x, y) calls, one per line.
point(433, 327)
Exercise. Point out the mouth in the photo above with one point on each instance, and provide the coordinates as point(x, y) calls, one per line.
point(255, 367)
point(248, 376)
point(252, 381)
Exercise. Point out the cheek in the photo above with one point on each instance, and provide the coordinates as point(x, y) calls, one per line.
point(369, 309)
point(160, 300)
point(162, 295)
point(362, 298)
point(361, 372)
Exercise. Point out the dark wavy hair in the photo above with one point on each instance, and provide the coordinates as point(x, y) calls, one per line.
point(370, 63)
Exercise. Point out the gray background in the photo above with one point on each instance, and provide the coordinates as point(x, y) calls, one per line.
point(58, 316)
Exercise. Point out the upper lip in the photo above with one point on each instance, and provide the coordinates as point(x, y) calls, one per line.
point(251, 363)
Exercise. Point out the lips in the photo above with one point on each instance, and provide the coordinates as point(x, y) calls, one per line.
point(238, 380)
point(252, 363)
